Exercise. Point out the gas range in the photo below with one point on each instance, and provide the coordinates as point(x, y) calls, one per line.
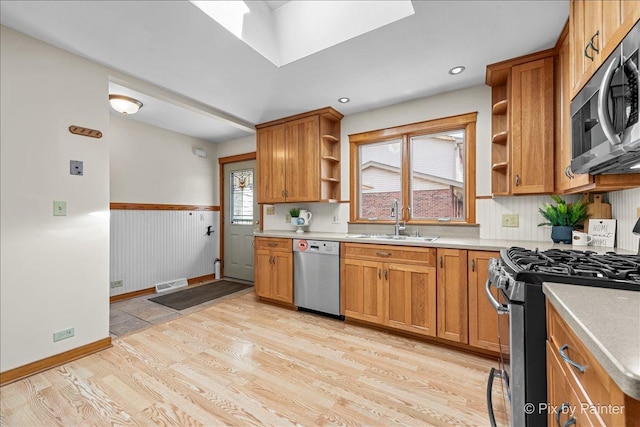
point(517, 266)
point(520, 303)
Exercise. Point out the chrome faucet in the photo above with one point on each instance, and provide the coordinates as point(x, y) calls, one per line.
point(396, 214)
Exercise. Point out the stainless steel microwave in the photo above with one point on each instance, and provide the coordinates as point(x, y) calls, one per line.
point(605, 131)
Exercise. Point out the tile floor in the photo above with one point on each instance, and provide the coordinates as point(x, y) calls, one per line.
point(138, 313)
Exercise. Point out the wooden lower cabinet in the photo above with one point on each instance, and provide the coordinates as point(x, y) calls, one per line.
point(273, 273)
point(362, 284)
point(390, 285)
point(483, 318)
point(427, 291)
point(411, 302)
point(452, 295)
point(589, 393)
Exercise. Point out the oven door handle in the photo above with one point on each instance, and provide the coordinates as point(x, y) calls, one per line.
point(493, 374)
point(500, 308)
point(603, 97)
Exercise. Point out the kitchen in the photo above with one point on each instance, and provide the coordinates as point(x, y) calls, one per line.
point(456, 102)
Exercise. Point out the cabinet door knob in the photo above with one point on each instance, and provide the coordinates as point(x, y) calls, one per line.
point(386, 277)
point(517, 180)
point(272, 244)
point(383, 254)
point(441, 261)
point(473, 265)
point(379, 273)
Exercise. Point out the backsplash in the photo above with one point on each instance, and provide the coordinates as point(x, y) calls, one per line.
point(322, 221)
point(624, 205)
point(488, 214)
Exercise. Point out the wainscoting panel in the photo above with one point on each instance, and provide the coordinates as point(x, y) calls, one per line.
point(153, 246)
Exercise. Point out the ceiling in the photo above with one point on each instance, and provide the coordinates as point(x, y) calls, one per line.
point(196, 78)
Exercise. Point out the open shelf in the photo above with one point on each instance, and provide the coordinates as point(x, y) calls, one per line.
point(331, 159)
point(331, 138)
point(500, 137)
point(500, 107)
point(499, 166)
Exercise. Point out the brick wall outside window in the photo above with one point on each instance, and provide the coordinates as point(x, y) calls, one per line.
point(426, 204)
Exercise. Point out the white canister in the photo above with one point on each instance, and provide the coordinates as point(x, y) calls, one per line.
point(216, 268)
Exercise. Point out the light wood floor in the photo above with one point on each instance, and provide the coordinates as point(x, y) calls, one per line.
point(242, 362)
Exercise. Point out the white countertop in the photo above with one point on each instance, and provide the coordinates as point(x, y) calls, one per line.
point(608, 323)
point(441, 242)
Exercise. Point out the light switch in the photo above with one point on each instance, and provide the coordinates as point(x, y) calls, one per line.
point(59, 208)
point(75, 167)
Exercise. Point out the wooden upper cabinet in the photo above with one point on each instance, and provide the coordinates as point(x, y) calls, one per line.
point(596, 27)
point(271, 164)
point(298, 158)
point(532, 127)
point(567, 182)
point(522, 145)
point(302, 166)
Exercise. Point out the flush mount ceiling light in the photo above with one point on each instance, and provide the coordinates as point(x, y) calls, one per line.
point(343, 100)
point(457, 70)
point(124, 104)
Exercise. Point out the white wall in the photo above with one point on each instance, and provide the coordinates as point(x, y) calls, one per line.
point(54, 271)
point(157, 166)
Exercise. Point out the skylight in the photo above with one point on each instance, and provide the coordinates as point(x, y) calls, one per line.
point(229, 14)
point(301, 28)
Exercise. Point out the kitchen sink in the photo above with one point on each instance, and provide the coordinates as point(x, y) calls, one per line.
point(392, 237)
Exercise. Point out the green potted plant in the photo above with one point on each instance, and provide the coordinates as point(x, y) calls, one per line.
point(294, 213)
point(563, 218)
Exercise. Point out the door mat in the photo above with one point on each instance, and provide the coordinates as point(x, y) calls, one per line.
point(203, 293)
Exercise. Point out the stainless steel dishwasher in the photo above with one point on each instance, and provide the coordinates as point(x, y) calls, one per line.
point(316, 276)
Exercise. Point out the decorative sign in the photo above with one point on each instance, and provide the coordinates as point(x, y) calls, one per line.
point(78, 130)
point(603, 232)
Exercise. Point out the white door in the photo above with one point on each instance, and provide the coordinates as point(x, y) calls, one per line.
point(240, 218)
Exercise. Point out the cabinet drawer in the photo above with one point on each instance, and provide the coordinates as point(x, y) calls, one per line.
point(274, 244)
point(590, 378)
point(386, 253)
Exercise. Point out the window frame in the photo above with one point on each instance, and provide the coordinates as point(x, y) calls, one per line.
point(466, 122)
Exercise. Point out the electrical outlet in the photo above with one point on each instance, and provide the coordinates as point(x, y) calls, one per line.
point(117, 283)
point(510, 220)
point(287, 218)
point(336, 219)
point(271, 210)
point(63, 334)
point(201, 217)
point(638, 212)
point(59, 208)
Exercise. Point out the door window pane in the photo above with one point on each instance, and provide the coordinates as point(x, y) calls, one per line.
point(380, 178)
point(241, 209)
point(437, 176)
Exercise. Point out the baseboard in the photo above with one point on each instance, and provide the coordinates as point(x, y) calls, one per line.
point(24, 371)
point(152, 290)
point(129, 295)
point(198, 280)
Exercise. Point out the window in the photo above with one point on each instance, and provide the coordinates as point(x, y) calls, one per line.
point(428, 167)
point(241, 199)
